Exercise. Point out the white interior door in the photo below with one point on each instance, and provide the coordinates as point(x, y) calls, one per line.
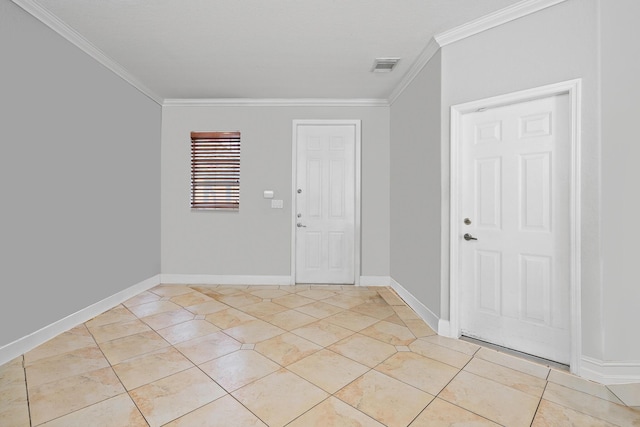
point(515, 200)
point(325, 204)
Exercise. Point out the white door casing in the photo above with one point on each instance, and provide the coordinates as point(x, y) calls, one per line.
point(324, 248)
point(516, 166)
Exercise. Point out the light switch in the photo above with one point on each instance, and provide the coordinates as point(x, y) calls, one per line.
point(268, 194)
point(277, 204)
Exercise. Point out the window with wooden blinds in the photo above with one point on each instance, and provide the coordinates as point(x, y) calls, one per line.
point(215, 170)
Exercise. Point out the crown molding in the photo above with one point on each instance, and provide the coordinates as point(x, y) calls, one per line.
point(422, 60)
point(53, 22)
point(502, 16)
point(275, 102)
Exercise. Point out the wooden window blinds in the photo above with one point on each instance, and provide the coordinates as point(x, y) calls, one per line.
point(215, 170)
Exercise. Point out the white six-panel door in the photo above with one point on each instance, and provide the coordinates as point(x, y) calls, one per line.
point(325, 204)
point(515, 278)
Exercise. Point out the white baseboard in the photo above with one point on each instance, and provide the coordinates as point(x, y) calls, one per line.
point(212, 279)
point(375, 281)
point(427, 315)
point(444, 329)
point(610, 372)
point(31, 341)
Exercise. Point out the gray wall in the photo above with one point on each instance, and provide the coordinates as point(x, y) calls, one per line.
point(415, 186)
point(620, 177)
point(556, 44)
point(257, 239)
point(79, 178)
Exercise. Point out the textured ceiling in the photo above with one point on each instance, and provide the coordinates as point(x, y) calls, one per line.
point(265, 48)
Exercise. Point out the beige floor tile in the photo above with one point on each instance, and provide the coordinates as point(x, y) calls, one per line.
point(287, 348)
point(192, 298)
point(391, 297)
point(323, 333)
point(239, 300)
point(552, 415)
point(223, 412)
point(254, 331)
point(580, 384)
point(329, 287)
point(365, 350)
point(63, 343)
point(440, 353)
point(419, 328)
point(389, 401)
point(453, 344)
point(14, 406)
point(497, 402)
point(628, 393)
point(208, 347)
point(263, 309)
point(65, 365)
point(116, 314)
point(290, 319)
point(116, 411)
point(124, 348)
point(231, 289)
point(167, 399)
point(319, 309)
point(114, 331)
point(328, 370)
point(334, 413)
point(142, 298)
point(269, 293)
point(187, 330)
point(317, 294)
point(168, 318)
point(155, 307)
point(62, 397)
point(379, 311)
point(293, 301)
point(170, 290)
point(507, 376)
point(344, 301)
point(395, 319)
point(405, 312)
point(421, 372)
point(351, 320)
point(279, 397)
point(390, 333)
point(591, 405)
point(150, 367)
point(513, 362)
point(229, 318)
point(207, 307)
point(441, 413)
point(239, 368)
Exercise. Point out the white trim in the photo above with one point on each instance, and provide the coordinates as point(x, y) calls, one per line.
point(421, 310)
point(423, 59)
point(53, 22)
point(211, 279)
point(444, 328)
point(574, 89)
point(610, 372)
point(375, 281)
point(31, 341)
point(358, 183)
point(502, 16)
point(275, 102)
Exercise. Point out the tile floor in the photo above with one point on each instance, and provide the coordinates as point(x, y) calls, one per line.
point(291, 355)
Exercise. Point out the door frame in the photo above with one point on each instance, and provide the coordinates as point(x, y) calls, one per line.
point(573, 88)
point(294, 177)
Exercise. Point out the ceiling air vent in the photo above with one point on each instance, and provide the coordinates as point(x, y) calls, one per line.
point(384, 65)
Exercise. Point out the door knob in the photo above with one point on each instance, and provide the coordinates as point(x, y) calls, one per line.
point(468, 237)
point(300, 225)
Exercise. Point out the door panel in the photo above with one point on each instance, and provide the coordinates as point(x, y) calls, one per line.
point(515, 191)
point(325, 204)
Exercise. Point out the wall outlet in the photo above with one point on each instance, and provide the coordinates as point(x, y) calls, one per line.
point(277, 204)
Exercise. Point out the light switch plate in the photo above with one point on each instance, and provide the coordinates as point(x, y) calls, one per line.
point(277, 204)
point(268, 194)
